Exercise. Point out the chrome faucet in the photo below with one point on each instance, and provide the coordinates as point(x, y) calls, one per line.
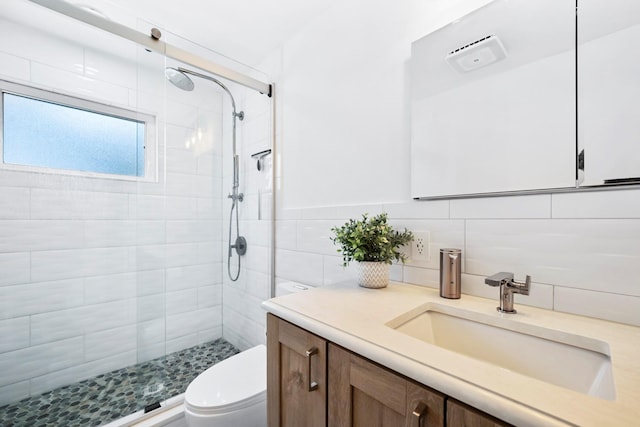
point(508, 287)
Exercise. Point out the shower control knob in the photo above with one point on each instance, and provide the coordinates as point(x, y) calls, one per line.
point(240, 246)
point(238, 197)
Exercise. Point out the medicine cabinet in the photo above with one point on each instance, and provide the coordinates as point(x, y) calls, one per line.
point(525, 96)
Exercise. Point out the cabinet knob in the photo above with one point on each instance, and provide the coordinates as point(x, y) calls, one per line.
point(313, 385)
point(419, 415)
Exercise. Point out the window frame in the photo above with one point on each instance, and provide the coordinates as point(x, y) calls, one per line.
point(150, 149)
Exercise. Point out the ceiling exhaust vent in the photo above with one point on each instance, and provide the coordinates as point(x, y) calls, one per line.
point(477, 54)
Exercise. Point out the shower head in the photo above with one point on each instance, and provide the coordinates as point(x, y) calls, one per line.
point(179, 79)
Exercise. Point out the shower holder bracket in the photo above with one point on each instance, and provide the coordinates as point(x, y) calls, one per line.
point(259, 156)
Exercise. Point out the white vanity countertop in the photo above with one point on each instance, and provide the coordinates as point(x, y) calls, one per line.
point(355, 318)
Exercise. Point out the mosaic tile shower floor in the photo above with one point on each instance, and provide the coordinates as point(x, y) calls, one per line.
point(113, 395)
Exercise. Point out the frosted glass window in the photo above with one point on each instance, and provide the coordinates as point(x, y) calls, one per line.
point(40, 133)
point(56, 133)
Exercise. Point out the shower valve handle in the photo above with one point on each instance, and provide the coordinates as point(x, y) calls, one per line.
point(238, 197)
point(240, 246)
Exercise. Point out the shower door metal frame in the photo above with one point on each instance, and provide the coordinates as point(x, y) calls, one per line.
point(155, 45)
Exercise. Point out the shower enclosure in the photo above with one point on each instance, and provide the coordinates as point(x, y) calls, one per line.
point(113, 278)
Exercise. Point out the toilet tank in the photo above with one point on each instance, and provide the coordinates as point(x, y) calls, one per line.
point(285, 288)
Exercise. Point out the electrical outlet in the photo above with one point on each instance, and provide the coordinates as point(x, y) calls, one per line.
point(420, 247)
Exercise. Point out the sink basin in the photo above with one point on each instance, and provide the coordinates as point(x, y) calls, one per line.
point(571, 361)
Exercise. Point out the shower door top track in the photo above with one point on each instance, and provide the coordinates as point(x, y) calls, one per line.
point(154, 44)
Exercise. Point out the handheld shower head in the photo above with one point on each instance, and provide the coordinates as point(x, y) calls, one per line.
point(179, 79)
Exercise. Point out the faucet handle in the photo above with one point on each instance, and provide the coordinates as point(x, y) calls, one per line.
point(523, 288)
point(499, 278)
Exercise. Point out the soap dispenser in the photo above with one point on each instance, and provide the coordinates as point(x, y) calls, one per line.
point(450, 273)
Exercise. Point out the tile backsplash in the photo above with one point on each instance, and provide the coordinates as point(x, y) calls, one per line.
point(582, 250)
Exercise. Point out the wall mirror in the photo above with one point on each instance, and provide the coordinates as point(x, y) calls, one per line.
point(510, 99)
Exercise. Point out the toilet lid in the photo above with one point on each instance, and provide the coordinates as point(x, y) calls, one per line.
point(235, 382)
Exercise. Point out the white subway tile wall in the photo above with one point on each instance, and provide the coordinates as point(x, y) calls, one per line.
point(603, 304)
point(14, 203)
point(14, 67)
point(581, 250)
point(15, 333)
point(100, 274)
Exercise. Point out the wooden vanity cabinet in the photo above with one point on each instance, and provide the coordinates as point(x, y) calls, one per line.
point(314, 383)
point(296, 376)
point(459, 414)
point(363, 394)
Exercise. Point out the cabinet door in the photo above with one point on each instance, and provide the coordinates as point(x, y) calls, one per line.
point(461, 415)
point(296, 376)
point(363, 394)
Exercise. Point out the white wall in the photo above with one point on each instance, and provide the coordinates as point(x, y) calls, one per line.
point(345, 101)
point(344, 140)
point(99, 274)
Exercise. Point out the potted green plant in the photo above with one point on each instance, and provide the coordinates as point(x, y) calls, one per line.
point(374, 244)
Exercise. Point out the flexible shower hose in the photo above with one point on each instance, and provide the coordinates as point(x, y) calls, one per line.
point(234, 201)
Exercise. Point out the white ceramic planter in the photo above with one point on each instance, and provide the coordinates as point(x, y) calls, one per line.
point(373, 274)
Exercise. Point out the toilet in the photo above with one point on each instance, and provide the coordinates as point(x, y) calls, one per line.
point(230, 393)
point(234, 391)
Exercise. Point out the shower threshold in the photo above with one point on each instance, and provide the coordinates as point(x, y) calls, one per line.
point(114, 395)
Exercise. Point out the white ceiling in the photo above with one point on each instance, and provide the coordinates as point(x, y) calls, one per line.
point(245, 30)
